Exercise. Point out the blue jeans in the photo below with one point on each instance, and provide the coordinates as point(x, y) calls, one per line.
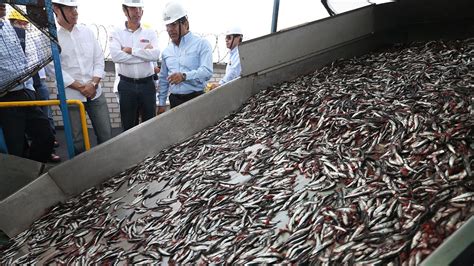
point(136, 98)
point(98, 113)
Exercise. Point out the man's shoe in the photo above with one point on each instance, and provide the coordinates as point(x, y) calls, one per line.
point(56, 143)
point(54, 158)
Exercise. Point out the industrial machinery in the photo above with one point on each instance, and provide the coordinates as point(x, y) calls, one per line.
point(266, 61)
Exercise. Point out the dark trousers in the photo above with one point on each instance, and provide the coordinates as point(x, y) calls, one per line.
point(42, 93)
point(177, 99)
point(20, 121)
point(135, 98)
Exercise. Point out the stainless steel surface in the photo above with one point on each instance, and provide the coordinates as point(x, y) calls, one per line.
point(129, 148)
point(15, 173)
point(21, 209)
point(286, 46)
point(453, 246)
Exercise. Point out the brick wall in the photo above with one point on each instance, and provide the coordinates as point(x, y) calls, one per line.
point(107, 87)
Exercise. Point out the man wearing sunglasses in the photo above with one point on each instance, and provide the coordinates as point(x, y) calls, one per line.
point(186, 63)
point(233, 39)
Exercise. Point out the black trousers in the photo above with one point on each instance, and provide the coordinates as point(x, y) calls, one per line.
point(136, 98)
point(177, 99)
point(17, 122)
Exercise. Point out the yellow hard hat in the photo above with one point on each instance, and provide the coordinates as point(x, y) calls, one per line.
point(16, 15)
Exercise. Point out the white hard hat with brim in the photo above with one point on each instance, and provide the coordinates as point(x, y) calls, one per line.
point(66, 2)
point(133, 3)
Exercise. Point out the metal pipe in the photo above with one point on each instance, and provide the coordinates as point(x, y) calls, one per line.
point(276, 8)
point(20, 2)
point(59, 79)
point(3, 144)
point(82, 111)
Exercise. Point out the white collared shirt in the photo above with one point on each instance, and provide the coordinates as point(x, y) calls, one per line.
point(140, 63)
point(81, 59)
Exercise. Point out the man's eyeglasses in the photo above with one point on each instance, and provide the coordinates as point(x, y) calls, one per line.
point(228, 37)
point(172, 25)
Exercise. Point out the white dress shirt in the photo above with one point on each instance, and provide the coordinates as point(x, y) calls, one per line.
point(140, 63)
point(81, 59)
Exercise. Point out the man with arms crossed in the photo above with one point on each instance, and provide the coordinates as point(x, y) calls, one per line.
point(135, 50)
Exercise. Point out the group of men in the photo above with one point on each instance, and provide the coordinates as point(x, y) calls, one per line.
point(186, 68)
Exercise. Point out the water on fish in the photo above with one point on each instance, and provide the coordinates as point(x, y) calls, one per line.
point(368, 160)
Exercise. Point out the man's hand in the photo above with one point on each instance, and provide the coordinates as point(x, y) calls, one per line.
point(176, 78)
point(157, 70)
point(127, 50)
point(88, 90)
point(213, 86)
point(149, 46)
point(161, 109)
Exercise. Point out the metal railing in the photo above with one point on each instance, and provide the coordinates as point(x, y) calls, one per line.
point(82, 112)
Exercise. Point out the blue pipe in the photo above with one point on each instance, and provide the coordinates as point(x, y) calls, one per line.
point(20, 2)
point(276, 8)
point(59, 79)
point(3, 144)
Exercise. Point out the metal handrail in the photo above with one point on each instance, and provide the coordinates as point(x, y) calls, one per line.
point(82, 111)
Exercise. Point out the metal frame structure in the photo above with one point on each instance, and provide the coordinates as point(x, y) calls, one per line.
point(57, 65)
point(276, 9)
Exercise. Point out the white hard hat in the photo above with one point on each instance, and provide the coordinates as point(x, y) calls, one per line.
point(66, 2)
point(173, 11)
point(234, 30)
point(133, 3)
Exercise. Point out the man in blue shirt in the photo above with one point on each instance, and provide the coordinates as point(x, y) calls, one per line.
point(18, 121)
point(233, 39)
point(186, 62)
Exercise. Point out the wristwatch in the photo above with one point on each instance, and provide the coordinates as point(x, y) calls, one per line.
point(184, 76)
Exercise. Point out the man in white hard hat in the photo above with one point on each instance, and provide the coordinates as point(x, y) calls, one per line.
point(135, 50)
point(187, 61)
point(82, 62)
point(233, 39)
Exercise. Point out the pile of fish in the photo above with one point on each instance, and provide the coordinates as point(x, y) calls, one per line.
point(367, 160)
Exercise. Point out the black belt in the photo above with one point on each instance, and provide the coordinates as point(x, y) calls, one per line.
point(132, 80)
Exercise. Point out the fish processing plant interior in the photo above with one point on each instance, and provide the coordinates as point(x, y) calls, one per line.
point(364, 160)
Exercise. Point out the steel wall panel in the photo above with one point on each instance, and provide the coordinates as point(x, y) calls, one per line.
point(287, 45)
